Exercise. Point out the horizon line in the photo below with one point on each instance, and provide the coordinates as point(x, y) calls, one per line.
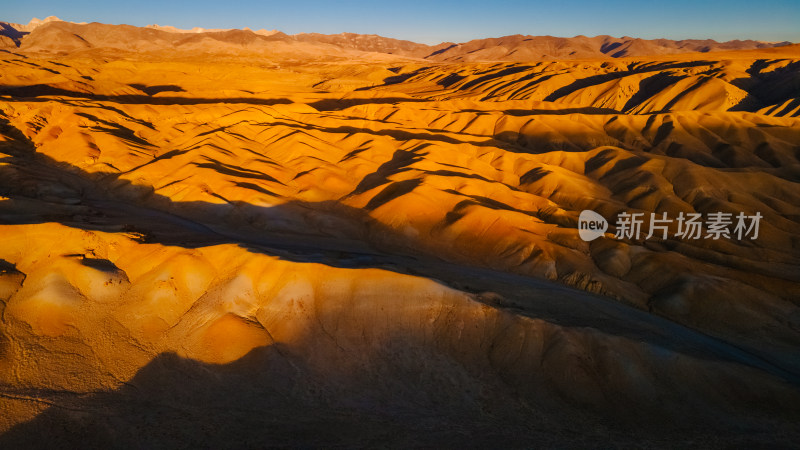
point(277, 30)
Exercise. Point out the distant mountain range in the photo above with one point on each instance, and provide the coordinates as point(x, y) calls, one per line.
point(53, 35)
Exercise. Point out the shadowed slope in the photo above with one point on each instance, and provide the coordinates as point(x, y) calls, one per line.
point(630, 86)
point(419, 167)
point(399, 257)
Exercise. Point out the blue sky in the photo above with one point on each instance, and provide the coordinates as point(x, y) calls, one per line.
point(438, 21)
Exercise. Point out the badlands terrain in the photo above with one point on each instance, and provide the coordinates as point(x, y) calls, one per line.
point(245, 239)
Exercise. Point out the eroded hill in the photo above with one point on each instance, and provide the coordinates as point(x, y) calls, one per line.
point(394, 246)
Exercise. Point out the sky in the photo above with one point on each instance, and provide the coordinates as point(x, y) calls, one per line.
point(433, 22)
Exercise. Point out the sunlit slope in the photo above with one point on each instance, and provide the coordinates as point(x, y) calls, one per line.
point(723, 81)
point(210, 208)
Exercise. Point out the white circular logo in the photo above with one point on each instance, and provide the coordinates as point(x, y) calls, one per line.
point(591, 225)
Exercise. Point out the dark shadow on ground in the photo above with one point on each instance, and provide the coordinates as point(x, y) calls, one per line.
point(272, 398)
point(551, 112)
point(41, 92)
point(153, 90)
point(338, 104)
point(106, 202)
point(633, 69)
point(12, 33)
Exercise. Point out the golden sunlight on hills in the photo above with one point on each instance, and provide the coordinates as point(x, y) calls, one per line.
point(366, 244)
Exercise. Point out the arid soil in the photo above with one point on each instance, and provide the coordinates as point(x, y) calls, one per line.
point(309, 244)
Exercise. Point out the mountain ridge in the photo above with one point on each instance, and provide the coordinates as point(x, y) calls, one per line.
point(54, 35)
